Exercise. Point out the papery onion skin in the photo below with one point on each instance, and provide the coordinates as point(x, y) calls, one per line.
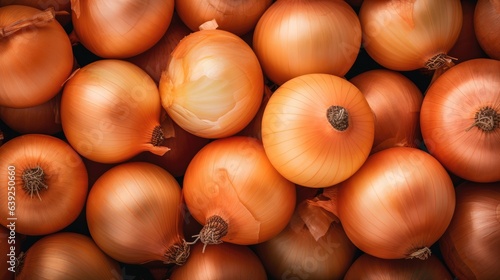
point(486, 26)
point(369, 267)
point(299, 139)
point(213, 85)
point(448, 115)
point(224, 261)
point(134, 214)
point(295, 254)
point(405, 35)
point(34, 62)
point(235, 16)
point(233, 178)
point(471, 243)
point(110, 112)
point(395, 100)
point(388, 207)
point(120, 29)
point(54, 196)
point(67, 255)
point(294, 38)
point(42, 119)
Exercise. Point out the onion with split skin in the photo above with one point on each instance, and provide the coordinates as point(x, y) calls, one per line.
point(110, 112)
point(134, 214)
point(231, 188)
point(389, 207)
point(299, 37)
point(471, 243)
point(120, 29)
point(49, 181)
point(412, 34)
point(460, 120)
point(35, 56)
point(67, 255)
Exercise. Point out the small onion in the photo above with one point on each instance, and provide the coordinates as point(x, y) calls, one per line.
point(235, 16)
point(224, 261)
point(471, 243)
point(110, 112)
point(389, 208)
point(231, 188)
point(134, 214)
point(487, 26)
point(35, 56)
point(213, 85)
point(48, 180)
point(395, 100)
point(317, 130)
point(371, 268)
point(409, 35)
point(120, 29)
point(460, 120)
point(67, 255)
point(42, 119)
point(298, 37)
point(300, 253)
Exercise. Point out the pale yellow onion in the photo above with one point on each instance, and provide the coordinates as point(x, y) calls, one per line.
point(407, 35)
point(395, 100)
point(67, 255)
point(317, 130)
point(120, 29)
point(134, 214)
point(110, 112)
point(35, 56)
point(297, 37)
point(213, 85)
point(236, 16)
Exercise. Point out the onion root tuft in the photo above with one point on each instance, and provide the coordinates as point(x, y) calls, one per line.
point(34, 181)
point(421, 254)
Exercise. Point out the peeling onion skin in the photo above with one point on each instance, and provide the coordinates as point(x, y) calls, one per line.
point(471, 243)
point(371, 268)
point(388, 207)
point(458, 121)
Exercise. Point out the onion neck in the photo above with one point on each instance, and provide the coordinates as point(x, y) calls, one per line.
point(34, 181)
point(486, 119)
point(421, 254)
point(177, 253)
point(36, 20)
point(213, 231)
point(338, 117)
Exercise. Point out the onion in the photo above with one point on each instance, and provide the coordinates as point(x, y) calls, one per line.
point(317, 130)
point(395, 100)
point(155, 59)
point(134, 214)
point(238, 17)
point(120, 29)
point(46, 179)
point(471, 243)
point(312, 246)
point(10, 245)
point(35, 56)
point(213, 85)
point(183, 147)
point(42, 119)
point(67, 255)
point(389, 207)
point(409, 35)
point(487, 26)
point(61, 7)
point(231, 188)
point(460, 120)
point(467, 47)
point(298, 37)
point(369, 267)
point(110, 112)
point(224, 261)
